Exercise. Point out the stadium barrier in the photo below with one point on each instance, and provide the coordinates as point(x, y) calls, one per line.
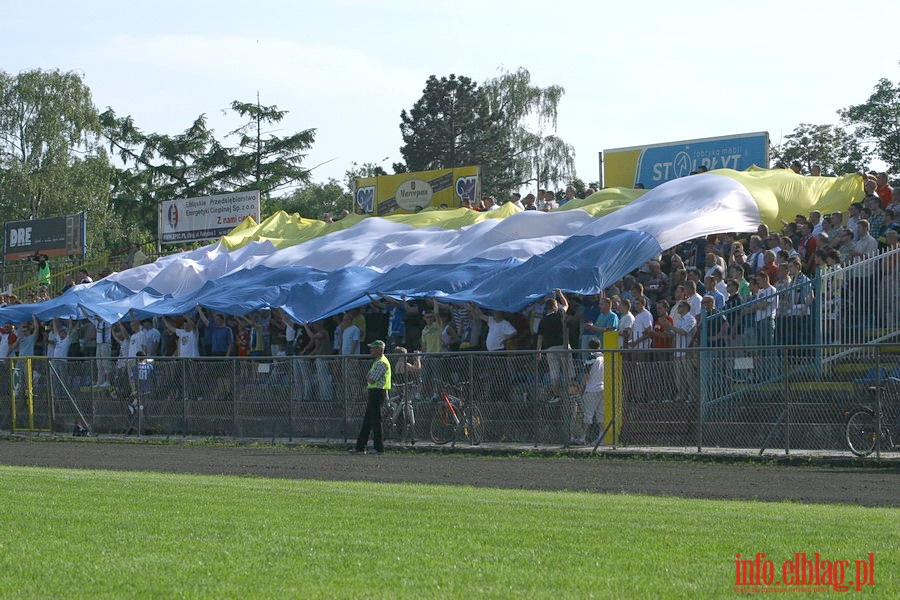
point(736, 397)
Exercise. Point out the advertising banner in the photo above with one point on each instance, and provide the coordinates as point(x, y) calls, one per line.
point(656, 164)
point(206, 217)
point(56, 236)
point(411, 192)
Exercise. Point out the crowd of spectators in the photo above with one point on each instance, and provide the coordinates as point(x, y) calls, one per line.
point(658, 305)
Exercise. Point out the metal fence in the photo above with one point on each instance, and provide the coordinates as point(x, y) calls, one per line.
point(739, 397)
point(855, 303)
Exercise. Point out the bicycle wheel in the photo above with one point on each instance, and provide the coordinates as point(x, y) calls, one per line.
point(473, 428)
point(442, 425)
point(862, 432)
point(389, 429)
point(409, 422)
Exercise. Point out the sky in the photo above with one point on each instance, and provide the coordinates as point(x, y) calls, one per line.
point(634, 73)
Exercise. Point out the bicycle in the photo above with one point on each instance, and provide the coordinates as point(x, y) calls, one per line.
point(398, 418)
point(456, 416)
point(868, 428)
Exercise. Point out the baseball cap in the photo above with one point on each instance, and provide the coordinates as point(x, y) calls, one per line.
point(377, 344)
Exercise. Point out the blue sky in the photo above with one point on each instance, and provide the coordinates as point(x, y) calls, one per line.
point(634, 73)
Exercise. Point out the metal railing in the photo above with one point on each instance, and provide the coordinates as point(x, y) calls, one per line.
point(736, 397)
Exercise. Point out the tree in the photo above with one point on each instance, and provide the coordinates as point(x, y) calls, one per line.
point(47, 121)
point(361, 171)
point(829, 146)
point(159, 167)
point(314, 200)
point(51, 163)
point(528, 114)
point(457, 123)
point(263, 161)
point(449, 126)
point(877, 121)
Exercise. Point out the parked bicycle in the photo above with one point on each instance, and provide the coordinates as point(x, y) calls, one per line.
point(398, 417)
point(870, 427)
point(456, 418)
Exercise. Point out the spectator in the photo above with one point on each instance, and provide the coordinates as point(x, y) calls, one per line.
point(684, 329)
point(883, 189)
point(188, 344)
point(662, 336)
point(553, 335)
point(221, 336)
point(350, 336)
point(431, 333)
point(591, 392)
point(500, 331)
point(642, 327)
point(626, 322)
point(606, 319)
point(408, 366)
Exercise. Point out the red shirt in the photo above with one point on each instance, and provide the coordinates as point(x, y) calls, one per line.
point(661, 325)
point(884, 192)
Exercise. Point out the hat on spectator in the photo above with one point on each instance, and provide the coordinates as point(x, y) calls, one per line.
point(377, 344)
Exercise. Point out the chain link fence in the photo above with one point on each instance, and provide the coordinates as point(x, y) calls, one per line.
point(792, 397)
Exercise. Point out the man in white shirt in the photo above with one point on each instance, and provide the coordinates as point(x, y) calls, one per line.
point(766, 309)
point(136, 340)
point(500, 331)
point(152, 338)
point(591, 391)
point(188, 346)
point(350, 336)
point(642, 326)
point(63, 342)
point(626, 323)
point(684, 329)
point(103, 333)
point(693, 298)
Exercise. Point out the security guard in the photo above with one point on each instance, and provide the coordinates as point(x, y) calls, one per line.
point(378, 382)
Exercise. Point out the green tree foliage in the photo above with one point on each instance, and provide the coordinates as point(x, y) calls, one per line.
point(264, 161)
point(361, 171)
point(157, 167)
point(877, 121)
point(506, 126)
point(528, 115)
point(829, 146)
point(51, 163)
point(193, 163)
point(316, 200)
point(451, 126)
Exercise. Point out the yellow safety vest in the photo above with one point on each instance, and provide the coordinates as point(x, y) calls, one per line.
point(385, 383)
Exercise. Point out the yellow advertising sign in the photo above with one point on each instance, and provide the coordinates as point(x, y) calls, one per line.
point(411, 192)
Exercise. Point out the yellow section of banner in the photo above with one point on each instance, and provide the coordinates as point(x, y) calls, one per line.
point(407, 193)
point(619, 167)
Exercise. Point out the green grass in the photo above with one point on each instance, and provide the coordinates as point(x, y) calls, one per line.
point(68, 533)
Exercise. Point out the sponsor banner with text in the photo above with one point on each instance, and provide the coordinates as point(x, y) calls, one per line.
point(206, 217)
point(56, 236)
point(656, 164)
point(411, 192)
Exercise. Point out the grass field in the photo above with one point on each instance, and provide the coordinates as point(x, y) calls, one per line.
point(68, 533)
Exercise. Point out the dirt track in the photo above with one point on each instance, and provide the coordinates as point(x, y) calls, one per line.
point(869, 486)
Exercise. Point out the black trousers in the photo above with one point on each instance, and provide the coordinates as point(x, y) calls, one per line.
point(375, 397)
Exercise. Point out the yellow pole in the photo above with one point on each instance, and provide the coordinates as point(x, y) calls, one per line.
point(29, 393)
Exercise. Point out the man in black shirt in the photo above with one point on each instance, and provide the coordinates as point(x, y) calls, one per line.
point(553, 336)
